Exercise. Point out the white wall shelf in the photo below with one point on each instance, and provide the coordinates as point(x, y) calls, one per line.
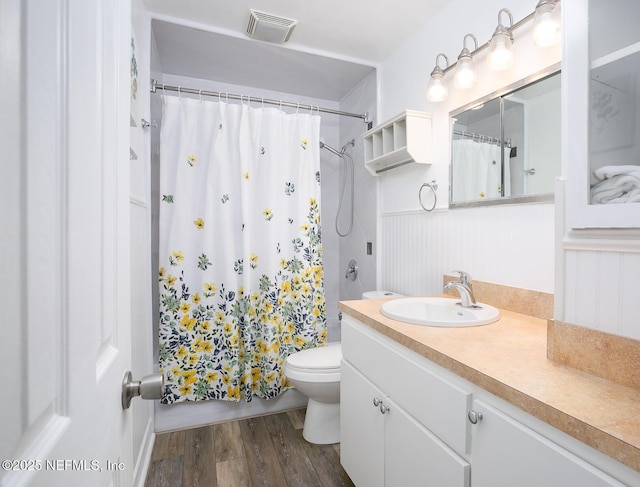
point(403, 139)
point(618, 55)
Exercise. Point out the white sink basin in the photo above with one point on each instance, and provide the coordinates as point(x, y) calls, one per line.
point(434, 311)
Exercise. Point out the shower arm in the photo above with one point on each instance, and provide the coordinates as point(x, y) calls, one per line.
point(330, 149)
point(337, 152)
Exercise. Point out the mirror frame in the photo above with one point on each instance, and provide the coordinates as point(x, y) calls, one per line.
point(506, 200)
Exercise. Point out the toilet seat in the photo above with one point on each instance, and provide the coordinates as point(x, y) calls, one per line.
point(320, 364)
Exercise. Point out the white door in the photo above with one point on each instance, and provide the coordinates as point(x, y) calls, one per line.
point(65, 331)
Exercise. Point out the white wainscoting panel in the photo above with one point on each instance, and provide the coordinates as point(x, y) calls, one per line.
point(601, 289)
point(511, 245)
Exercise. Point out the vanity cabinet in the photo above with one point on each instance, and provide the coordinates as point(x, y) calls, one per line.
point(403, 139)
point(408, 421)
point(399, 424)
point(383, 445)
point(601, 110)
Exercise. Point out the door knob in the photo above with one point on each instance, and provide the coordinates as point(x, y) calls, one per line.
point(150, 387)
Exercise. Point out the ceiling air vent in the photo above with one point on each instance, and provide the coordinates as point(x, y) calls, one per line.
point(269, 28)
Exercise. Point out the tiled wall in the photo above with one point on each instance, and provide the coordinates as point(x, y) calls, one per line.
point(354, 246)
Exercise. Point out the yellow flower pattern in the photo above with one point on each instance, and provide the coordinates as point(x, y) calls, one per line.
point(235, 302)
point(202, 328)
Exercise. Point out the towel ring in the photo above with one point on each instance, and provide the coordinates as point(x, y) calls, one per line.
point(434, 187)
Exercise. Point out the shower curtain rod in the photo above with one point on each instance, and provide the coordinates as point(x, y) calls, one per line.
point(482, 138)
point(159, 86)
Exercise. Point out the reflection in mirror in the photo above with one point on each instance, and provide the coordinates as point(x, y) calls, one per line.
point(507, 149)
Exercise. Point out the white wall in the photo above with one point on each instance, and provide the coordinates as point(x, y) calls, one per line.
point(486, 242)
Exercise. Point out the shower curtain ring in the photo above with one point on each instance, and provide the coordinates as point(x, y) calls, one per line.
point(433, 185)
point(200, 93)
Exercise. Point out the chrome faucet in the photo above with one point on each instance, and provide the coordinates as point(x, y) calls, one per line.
point(464, 288)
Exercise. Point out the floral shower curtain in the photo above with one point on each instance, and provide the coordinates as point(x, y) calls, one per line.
point(240, 271)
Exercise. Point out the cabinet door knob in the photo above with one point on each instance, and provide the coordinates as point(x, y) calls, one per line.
point(384, 409)
point(474, 416)
point(377, 401)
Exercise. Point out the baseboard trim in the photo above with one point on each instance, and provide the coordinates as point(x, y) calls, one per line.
point(187, 415)
point(144, 457)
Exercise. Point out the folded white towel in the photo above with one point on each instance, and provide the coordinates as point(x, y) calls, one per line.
point(606, 172)
point(618, 184)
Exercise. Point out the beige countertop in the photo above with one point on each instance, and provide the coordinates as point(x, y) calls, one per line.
point(509, 359)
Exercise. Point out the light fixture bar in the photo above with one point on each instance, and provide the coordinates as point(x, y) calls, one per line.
point(484, 46)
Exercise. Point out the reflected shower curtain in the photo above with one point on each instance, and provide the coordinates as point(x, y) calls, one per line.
point(241, 278)
point(477, 170)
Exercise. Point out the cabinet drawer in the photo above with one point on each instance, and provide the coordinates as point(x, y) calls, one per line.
point(404, 375)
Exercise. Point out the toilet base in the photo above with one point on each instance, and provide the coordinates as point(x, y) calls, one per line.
point(322, 423)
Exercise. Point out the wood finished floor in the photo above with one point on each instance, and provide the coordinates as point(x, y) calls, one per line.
point(263, 451)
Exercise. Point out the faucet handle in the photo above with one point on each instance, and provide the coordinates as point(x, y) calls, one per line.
point(464, 277)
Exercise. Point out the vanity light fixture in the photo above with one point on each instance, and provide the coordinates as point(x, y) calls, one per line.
point(500, 56)
point(436, 89)
point(546, 31)
point(465, 76)
point(546, 23)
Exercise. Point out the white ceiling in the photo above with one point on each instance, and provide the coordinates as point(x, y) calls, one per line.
point(335, 43)
point(207, 55)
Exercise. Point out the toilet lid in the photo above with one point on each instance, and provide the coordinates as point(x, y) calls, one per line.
point(325, 357)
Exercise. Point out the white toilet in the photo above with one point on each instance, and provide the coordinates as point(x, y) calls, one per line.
point(316, 374)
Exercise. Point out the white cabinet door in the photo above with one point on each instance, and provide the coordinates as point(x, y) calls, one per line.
point(391, 448)
point(416, 457)
point(64, 103)
point(361, 429)
point(506, 453)
point(600, 70)
point(426, 395)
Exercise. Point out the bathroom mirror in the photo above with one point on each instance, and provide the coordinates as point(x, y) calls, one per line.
point(505, 148)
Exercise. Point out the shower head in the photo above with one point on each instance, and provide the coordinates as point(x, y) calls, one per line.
point(351, 143)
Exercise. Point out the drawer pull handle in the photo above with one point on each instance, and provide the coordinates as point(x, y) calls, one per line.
point(377, 402)
point(474, 416)
point(384, 409)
